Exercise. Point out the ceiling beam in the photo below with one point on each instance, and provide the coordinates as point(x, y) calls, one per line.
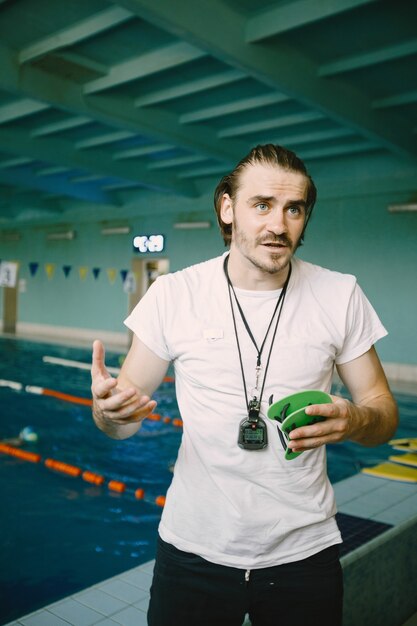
point(220, 31)
point(87, 178)
point(57, 127)
point(176, 162)
point(236, 106)
point(281, 19)
point(121, 185)
point(52, 171)
point(205, 170)
point(84, 29)
point(313, 136)
point(339, 150)
point(134, 153)
point(367, 59)
point(104, 139)
point(144, 65)
point(282, 121)
point(20, 108)
point(16, 162)
point(399, 99)
point(188, 88)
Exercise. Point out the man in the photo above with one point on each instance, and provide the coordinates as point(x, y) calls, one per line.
point(245, 530)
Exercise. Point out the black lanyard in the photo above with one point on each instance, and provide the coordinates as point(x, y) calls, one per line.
point(254, 422)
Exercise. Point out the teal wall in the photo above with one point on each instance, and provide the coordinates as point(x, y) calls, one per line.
point(351, 231)
point(360, 237)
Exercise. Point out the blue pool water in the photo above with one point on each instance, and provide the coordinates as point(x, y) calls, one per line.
point(61, 534)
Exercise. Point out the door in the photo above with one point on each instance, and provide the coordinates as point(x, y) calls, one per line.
point(146, 271)
point(9, 309)
point(9, 281)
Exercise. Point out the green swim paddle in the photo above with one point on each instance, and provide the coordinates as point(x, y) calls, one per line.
point(290, 413)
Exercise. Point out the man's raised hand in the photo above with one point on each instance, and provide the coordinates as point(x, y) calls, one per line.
point(116, 403)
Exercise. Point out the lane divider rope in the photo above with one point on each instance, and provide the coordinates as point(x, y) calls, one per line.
point(76, 472)
point(66, 397)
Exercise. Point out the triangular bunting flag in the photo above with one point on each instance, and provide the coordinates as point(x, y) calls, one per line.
point(50, 269)
point(123, 274)
point(111, 273)
point(96, 272)
point(33, 268)
point(130, 283)
point(83, 271)
point(67, 269)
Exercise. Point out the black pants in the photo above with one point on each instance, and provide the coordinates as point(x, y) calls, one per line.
point(190, 591)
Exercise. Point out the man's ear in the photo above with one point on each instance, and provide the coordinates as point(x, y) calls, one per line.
point(226, 209)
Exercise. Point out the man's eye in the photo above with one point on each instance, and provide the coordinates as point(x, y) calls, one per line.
point(294, 210)
point(262, 207)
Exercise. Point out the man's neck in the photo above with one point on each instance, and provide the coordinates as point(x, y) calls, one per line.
point(244, 274)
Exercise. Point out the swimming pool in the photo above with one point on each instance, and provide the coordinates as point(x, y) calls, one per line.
point(61, 534)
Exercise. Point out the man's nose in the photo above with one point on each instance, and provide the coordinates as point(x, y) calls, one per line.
point(277, 223)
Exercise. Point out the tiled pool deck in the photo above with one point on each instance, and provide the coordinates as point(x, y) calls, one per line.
point(123, 600)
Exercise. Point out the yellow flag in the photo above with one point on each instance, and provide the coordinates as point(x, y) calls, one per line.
point(83, 271)
point(112, 273)
point(50, 270)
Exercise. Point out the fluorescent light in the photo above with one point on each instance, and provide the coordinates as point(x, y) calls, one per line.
point(402, 208)
point(65, 234)
point(192, 225)
point(115, 230)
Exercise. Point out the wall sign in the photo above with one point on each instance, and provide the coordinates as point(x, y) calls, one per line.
point(149, 243)
point(8, 274)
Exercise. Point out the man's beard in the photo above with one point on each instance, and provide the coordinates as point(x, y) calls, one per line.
point(277, 262)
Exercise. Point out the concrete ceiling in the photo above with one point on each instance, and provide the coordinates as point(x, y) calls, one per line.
point(100, 99)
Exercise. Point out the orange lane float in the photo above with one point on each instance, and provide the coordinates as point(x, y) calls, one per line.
point(117, 485)
point(177, 422)
point(67, 397)
point(154, 417)
point(65, 468)
point(32, 457)
point(160, 500)
point(91, 477)
point(139, 494)
point(42, 391)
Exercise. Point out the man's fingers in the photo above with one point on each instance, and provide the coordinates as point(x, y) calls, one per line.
point(128, 415)
point(331, 430)
point(325, 410)
point(126, 406)
point(98, 365)
point(102, 387)
point(121, 398)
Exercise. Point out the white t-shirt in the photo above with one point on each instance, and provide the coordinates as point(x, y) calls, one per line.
point(235, 507)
